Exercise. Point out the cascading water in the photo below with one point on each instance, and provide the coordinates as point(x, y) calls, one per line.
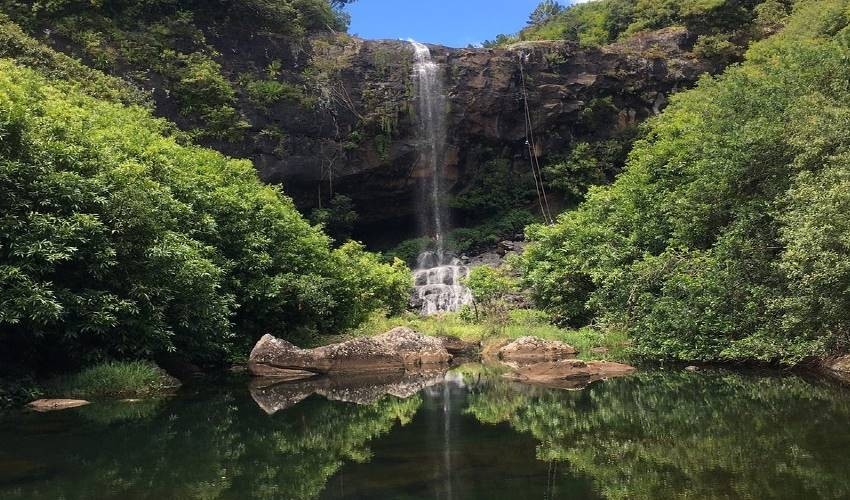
point(437, 275)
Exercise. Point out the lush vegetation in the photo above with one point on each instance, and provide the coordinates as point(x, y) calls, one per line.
point(723, 27)
point(118, 242)
point(726, 236)
point(174, 50)
point(127, 379)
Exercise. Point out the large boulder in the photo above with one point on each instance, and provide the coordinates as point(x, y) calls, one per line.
point(535, 350)
point(568, 373)
point(399, 349)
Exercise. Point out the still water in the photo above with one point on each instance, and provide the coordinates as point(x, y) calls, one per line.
point(467, 435)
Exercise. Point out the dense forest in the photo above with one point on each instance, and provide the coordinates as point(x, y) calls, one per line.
point(726, 238)
point(120, 239)
point(720, 233)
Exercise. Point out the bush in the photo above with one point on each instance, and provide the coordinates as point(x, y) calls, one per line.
point(726, 236)
point(115, 380)
point(117, 242)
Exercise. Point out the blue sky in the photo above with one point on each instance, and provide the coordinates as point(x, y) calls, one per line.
point(455, 23)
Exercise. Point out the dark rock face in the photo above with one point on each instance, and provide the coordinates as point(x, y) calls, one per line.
point(355, 131)
point(398, 350)
point(374, 138)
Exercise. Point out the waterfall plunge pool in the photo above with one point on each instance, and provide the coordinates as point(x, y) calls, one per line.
point(466, 434)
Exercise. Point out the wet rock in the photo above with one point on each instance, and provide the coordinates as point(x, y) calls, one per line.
point(399, 349)
point(45, 405)
point(692, 368)
point(568, 373)
point(273, 396)
point(533, 349)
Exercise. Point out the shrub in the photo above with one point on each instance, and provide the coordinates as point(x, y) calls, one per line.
point(115, 380)
point(726, 236)
point(117, 242)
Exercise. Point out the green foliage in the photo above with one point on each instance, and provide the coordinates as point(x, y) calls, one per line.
point(338, 219)
point(495, 187)
point(491, 230)
point(604, 21)
point(162, 45)
point(725, 238)
point(490, 287)
point(116, 241)
point(18, 391)
point(589, 163)
point(265, 93)
point(128, 379)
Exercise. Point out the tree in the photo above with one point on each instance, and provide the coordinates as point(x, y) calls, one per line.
point(544, 12)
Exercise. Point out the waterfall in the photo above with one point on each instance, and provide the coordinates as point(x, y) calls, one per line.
point(437, 274)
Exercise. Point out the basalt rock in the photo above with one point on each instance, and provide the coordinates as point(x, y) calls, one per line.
point(400, 349)
point(533, 350)
point(568, 373)
point(355, 133)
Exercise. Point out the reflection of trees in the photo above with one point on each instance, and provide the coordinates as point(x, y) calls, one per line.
point(210, 447)
point(668, 435)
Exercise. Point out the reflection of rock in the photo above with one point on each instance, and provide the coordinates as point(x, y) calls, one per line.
point(533, 349)
point(568, 373)
point(399, 349)
point(56, 404)
point(273, 395)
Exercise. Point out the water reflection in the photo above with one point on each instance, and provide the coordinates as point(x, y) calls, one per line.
point(682, 435)
point(468, 434)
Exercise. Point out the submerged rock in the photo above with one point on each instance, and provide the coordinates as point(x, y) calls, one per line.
point(533, 349)
point(44, 405)
point(399, 349)
point(568, 373)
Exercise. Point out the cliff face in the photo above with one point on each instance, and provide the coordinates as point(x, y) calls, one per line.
point(331, 113)
point(364, 144)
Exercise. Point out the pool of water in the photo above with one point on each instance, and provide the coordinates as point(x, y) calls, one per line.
point(467, 434)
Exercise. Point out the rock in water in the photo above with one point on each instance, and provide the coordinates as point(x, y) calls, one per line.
point(399, 349)
point(44, 405)
point(568, 373)
point(533, 350)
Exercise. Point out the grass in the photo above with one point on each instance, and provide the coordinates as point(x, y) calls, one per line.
point(115, 379)
point(522, 322)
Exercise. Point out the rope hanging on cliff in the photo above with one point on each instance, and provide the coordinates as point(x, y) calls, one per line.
point(536, 170)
